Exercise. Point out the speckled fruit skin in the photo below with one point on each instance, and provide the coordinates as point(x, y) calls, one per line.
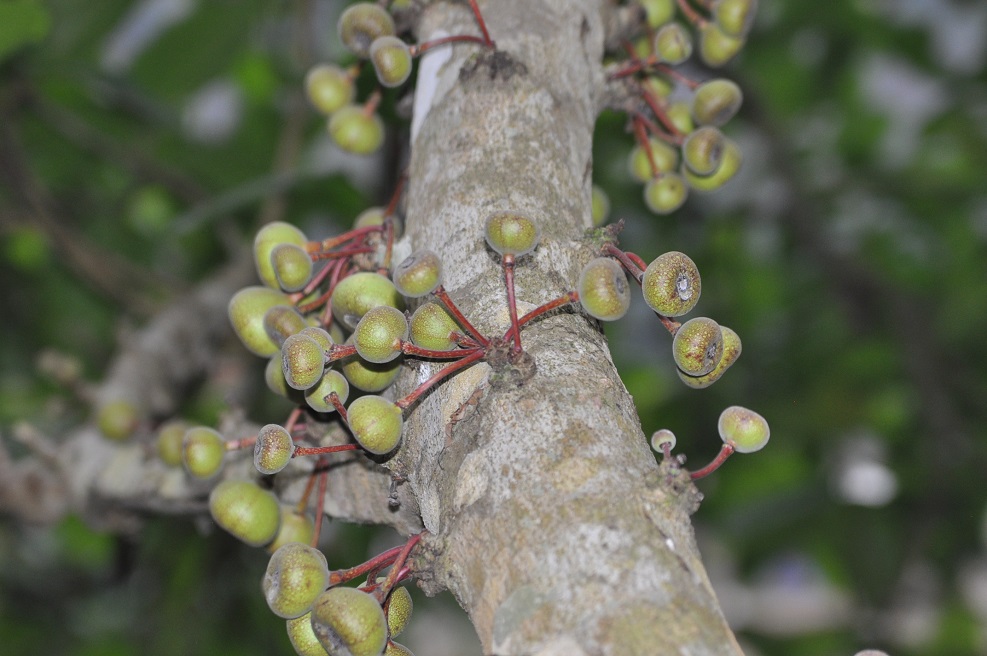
point(358, 293)
point(379, 334)
point(245, 511)
point(273, 449)
point(671, 284)
point(266, 240)
point(296, 574)
point(418, 274)
point(509, 233)
point(399, 607)
point(716, 102)
point(603, 289)
point(732, 348)
point(730, 162)
point(331, 381)
point(302, 361)
point(431, 326)
point(246, 312)
point(376, 423)
point(746, 430)
point(349, 622)
point(302, 637)
point(697, 346)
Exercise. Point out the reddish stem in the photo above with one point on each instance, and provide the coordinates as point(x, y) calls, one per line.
point(333, 242)
point(384, 559)
point(323, 450)
point(442, 295)
point(397, 568)
point(662, 116)
point(242, 443)
point(483, 25)
point(642, 138)
point(565, 299)
point(320, 501)
point(428, 45)
point(630, 265)
point(347, 252)
point(692, 15)
point(409, 348)
point(338, 404)
point(439, 375)
point(340, 351)
point(508, 262)
point(720, 458)
point(293, 417)
point(370, 106)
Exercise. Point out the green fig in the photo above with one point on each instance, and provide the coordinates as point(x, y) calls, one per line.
point(245, 511)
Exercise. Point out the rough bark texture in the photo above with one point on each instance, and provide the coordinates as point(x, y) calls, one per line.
point(549, 518)
point(552, 524)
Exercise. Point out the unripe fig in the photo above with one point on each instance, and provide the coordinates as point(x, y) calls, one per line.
point(730, 162)
point(368, 376)
point(657, 86)
point(376, 216)
point(735, 17)
point(399, 607)
point(673, 44)
point(292, 266)
point(245, 511)
point(603, 289)
point(716, 47)
point(329, 88)
point(320, 335)
point(397, 649)
point(118, 419)
point(716, 101)
point(731, 351)
point(680, 114)
point(376, 423)
point(379, 334)
point(391, 59)
point(246, 311)
point(302, 637)
point(267, 239)
point(600, 206)
point(356, 131)
point(744, 429)
point(332, 381)
point(171, 435)
point(418, 274)
point(509, 233)
point(361, 24)
point(274, 378)
point(658, 12)
point(663, 437)
point(295, 576)
point(697, 346)
point(671, 284)
point(431, 326)
point(283, 321)
point(302, 361)
point(666, 160)
point(702, 150)
point(349, 622)
point(295, 527)
point(273, 449)
point(202, 451)
point(358, 293)
point(666, 193)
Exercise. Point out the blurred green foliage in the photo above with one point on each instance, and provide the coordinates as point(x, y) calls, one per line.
point(849, 255)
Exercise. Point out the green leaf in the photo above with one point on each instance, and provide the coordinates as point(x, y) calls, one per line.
point(22, 22)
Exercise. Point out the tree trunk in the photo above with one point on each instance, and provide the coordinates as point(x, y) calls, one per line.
point(553, 526)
